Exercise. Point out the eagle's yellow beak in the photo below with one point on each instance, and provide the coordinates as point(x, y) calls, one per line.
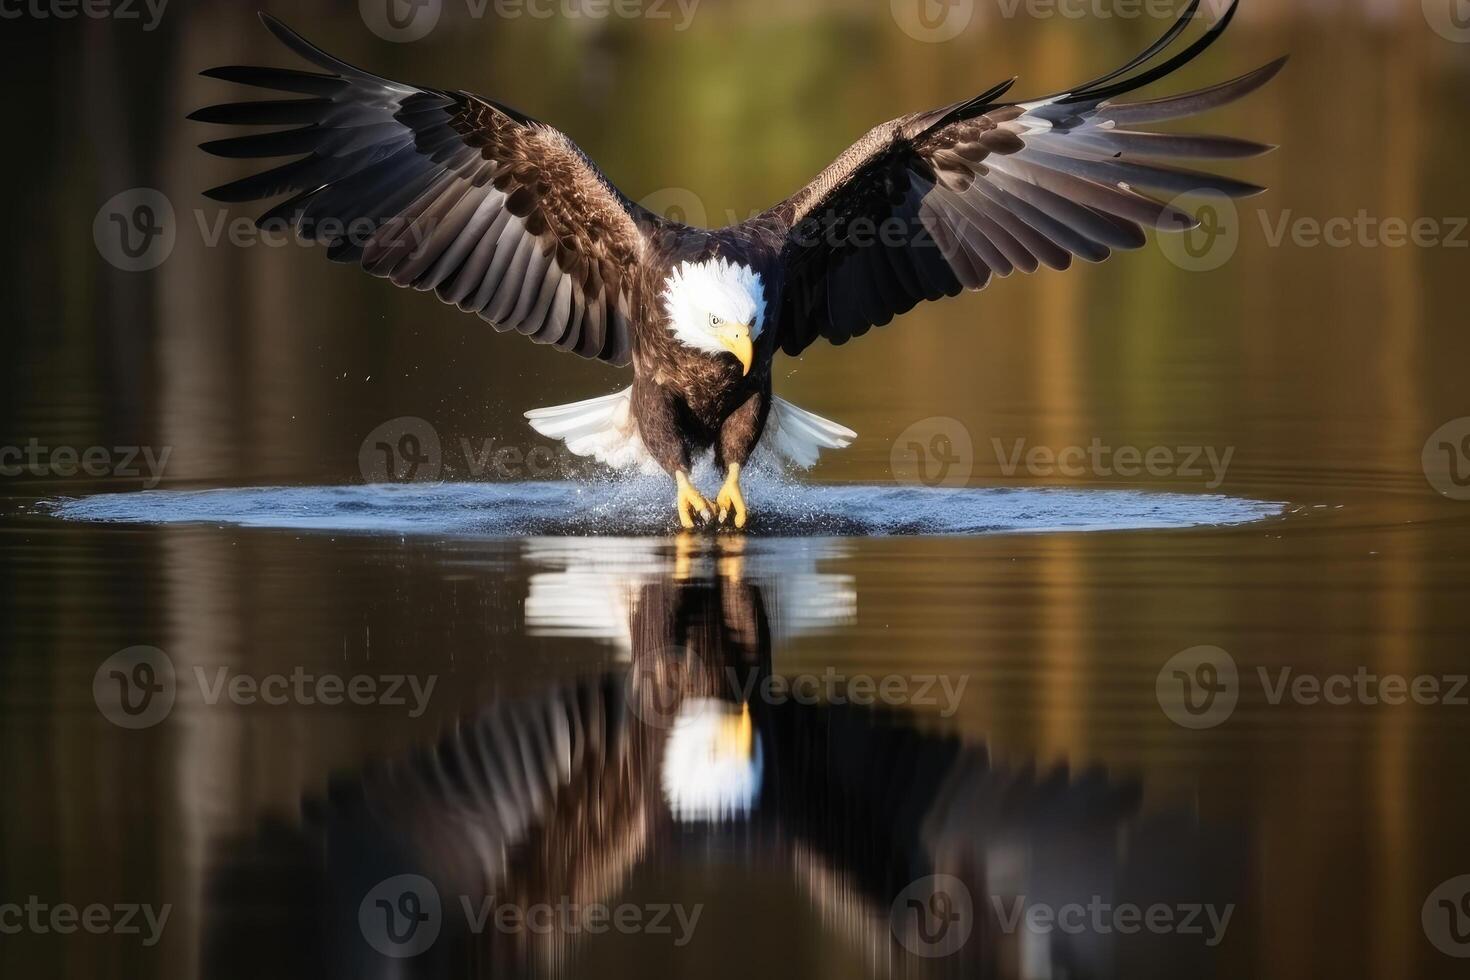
point(737, 735)
point(735, 338)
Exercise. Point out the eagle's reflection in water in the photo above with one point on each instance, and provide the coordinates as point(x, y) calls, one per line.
point(918, 853)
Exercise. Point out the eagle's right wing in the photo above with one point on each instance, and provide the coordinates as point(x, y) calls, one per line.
point(528, 803)
point(499, 214)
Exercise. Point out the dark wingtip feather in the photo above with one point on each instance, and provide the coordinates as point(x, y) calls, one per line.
point(312, 53)
point(1199, 47)
point(1192, 103)
point(1180, 25)
point(1272, 69)
point(980, 102)
point(1266, 72)
point(272, 23)
point(274, 112)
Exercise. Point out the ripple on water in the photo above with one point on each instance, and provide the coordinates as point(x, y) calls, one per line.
point(643, 506)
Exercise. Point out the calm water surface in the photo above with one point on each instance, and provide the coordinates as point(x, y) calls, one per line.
point(553, 674)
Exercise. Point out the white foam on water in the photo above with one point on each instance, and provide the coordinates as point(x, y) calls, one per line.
point(644, 506)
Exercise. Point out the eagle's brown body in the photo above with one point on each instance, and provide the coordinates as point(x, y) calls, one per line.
point(505, 217)
point(686, 402)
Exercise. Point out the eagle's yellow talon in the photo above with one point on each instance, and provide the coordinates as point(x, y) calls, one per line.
point(690, 501)
point(730, 498)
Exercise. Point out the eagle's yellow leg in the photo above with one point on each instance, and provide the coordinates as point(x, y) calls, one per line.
point(686, 549)
point(732, 560)
point(690, 501)
point(730, 498)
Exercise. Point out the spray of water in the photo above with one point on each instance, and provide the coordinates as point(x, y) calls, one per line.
point(642, 505)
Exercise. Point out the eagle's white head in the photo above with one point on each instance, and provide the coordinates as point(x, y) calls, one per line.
point(712, 763)
point(717, 307)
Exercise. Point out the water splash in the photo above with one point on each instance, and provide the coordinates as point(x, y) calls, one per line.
point(643, 506)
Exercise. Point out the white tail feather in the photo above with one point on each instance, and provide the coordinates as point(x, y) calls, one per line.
point(799, 436)
point(605, 429)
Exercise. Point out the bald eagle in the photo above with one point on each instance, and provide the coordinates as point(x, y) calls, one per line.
point(503, 216)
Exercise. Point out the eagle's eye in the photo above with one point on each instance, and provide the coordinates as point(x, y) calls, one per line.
point(715, 322)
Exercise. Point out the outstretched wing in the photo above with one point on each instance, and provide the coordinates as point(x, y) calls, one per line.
point(526, 803)
point(938, 202)
point(499, 214)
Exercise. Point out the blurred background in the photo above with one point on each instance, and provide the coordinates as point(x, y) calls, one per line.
point(1302, 335)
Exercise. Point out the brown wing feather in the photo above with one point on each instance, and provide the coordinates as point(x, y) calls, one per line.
point(937, 202)
point(497, 213)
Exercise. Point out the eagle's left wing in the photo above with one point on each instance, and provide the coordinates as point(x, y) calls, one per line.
point(935, 203)
point(499, 214)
